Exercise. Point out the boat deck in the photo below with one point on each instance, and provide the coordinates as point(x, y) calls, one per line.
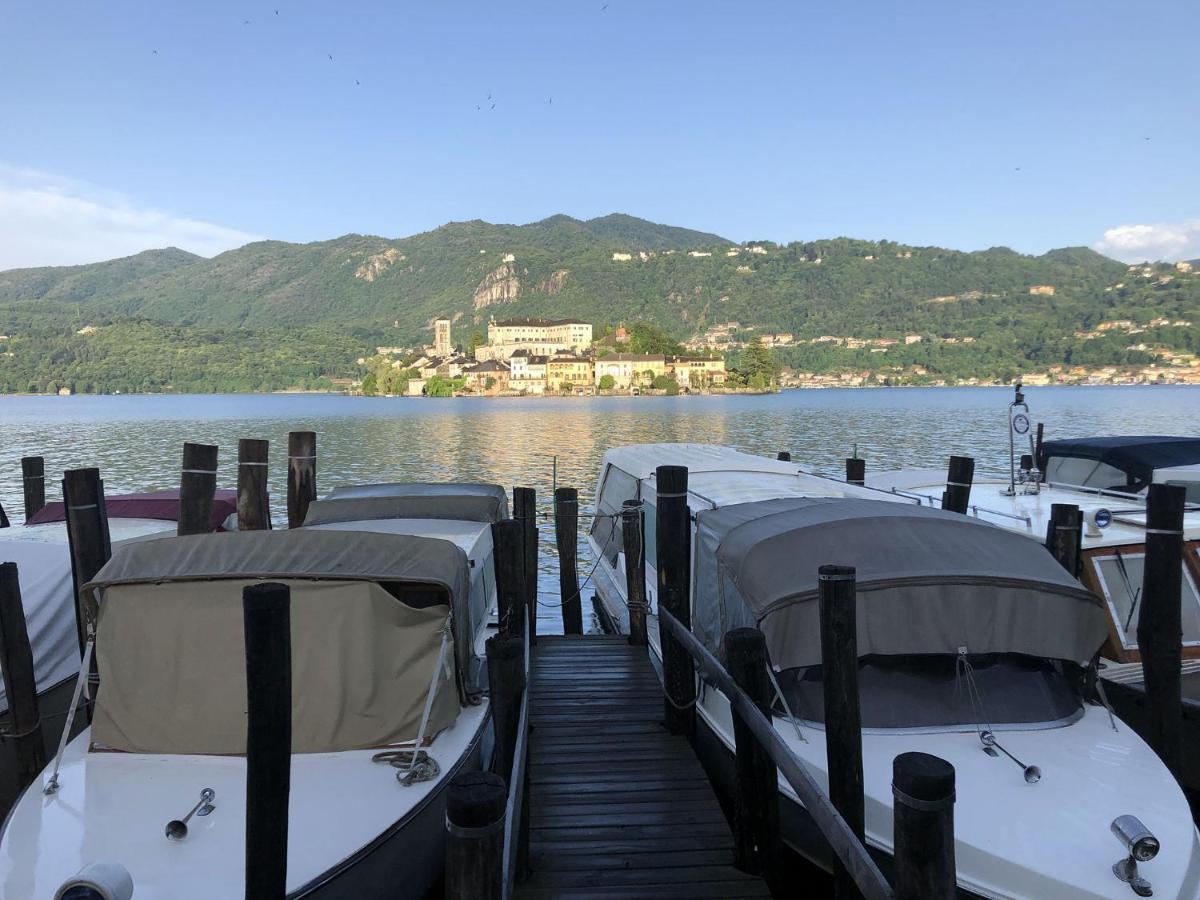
point(617, 806)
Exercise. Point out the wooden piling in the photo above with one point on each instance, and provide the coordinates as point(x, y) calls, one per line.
point(1160, 626)
point(266, 611)
point(856, 470)
point(197, 486)
point(87, 535)
point(566, 539)
point(757, 847)
point(506, 684)
point(525, 512)
point(1064, 536)
point(475, 836)
point(4, 523)
point(673, 541)
point(838, 602)
point(633, 533)
point(20, 685)
point(33, 480)
point(784, 456)
point(959, 475)
point(254, 510)
point(923, 827)
point(302, 475)
point(508, 541)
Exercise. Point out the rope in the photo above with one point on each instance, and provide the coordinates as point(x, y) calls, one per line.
point(783, 700)
point(417, 764)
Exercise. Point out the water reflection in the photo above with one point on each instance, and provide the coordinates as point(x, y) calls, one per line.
point(136, 440)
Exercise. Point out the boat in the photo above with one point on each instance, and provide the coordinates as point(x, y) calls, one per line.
point(390, 605)
point(1107, 478)
point(41, 551)
point(972, 645)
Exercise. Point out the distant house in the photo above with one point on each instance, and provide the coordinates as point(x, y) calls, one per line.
point(628, 369)
point(479, 373)
point(1043, 290)
point(569, 368)
point(622, 257)
point(697, 371)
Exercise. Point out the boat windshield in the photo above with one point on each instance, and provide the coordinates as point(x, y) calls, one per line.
point(932, 691)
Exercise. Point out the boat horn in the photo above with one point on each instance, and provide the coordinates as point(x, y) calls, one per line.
point(1141, 845)
point(1032, 773)
point(177, 828)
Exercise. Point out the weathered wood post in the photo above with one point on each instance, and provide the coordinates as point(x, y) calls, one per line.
point(525, 512)
point(197, 485)
point(959, 475)
point(633, 533)
point(566, 539)
point(302, 475)
point(33, 480)
point(4, 523)
point(1064, 536)
point(475, 836)
point(856, 470)
point(843, 720)
point(923, 827)
point(266, 612)
point(508, 542)
point(1160, 625)
point(784, 456)
point(756, 804)
point(87, 534)
point(674, 554)
point(20, 686)
point(506, 684)
point(254, 509)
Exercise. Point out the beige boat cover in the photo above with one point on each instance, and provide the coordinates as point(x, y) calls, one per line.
point(403, 500)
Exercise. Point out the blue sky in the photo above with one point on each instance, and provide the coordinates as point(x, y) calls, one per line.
point(786, 121)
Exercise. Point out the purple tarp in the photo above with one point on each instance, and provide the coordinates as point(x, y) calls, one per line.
point(150, 505)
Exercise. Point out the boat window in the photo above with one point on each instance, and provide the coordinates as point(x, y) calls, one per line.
point(1086, 473)
point(930, 691)
point(417, 596)
point(606, 527)
point(1120, 576)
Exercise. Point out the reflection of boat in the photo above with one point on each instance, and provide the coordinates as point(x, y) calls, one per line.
point(43, 558)
point(964, 630)
point(388, 618)
point(1106, 478)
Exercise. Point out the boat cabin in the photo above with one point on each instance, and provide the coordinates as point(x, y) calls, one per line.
point(1128, 463)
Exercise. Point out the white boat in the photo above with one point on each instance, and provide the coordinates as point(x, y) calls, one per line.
point(389, 614)
point(930, 584)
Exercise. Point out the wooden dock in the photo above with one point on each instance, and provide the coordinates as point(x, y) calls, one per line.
point(617, 806)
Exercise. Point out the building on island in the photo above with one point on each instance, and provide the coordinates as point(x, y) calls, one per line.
point(697, 371)
point(629, 369)
point(441, 338)
point(541, 337)
point(480, 373)
point(567, 368)
point(528, 372)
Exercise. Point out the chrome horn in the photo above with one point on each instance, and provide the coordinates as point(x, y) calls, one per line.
point(1141, 845)
point(1032, 773)
point(177, 829)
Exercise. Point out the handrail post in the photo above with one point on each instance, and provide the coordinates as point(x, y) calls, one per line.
point(843, 720)
point(302, 475)
point(197, 486)
point(757, 846)
point(506, 684)
point(856, 470)
point(1160, 626)
point(923, 827)
point(633, 533)
point(507, 551)
point(253, 505)
point(20, 685)
point(566, 539)
point(33, 481)
point(674, 554)
point(525, 512)
point(1064, 536)
point(959, 475)
point(87, 535)
point(475, 836)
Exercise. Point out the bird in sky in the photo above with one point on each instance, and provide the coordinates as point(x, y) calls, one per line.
point(245, 21)
point(1147, 138)
point(356, 81)
point(551, 101)
point(1017, 169)
point(276, 12)
point(493, 106)
point(604, 7)
point(330, 55)
point(155, 52)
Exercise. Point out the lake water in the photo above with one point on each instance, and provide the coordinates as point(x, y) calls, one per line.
point(136, 440)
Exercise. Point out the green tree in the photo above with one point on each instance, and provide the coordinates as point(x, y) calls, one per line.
point(607, 383)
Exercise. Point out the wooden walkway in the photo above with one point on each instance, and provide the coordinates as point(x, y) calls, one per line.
point(617, 806)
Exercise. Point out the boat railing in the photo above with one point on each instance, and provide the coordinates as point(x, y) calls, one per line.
point(976, 509)
point(514, 810)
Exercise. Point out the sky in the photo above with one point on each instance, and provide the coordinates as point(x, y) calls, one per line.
point(131, 125)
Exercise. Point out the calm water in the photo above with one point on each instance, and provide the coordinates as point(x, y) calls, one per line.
point(136, 440)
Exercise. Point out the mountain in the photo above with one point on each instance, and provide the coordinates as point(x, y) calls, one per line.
point(283, 314)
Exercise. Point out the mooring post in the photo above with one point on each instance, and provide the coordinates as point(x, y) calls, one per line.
point(959, 475)
point(33, 480)
point(302, 475)
point(506, 684)
point(197, 485)
point(674, 554)
point(566, 539)
point(856, 470)
point(253, 505)
point(756, 803)
point(784, 456)
point(837, 601)
point(20, 686)
point(1064, 536)
point(266, 612)
point(633, 533)
point(923, 827)
point(1160, 625)
point(87, 535)
point(4, 523)
point(475, 836)
point(508, 542)
point(525, 512)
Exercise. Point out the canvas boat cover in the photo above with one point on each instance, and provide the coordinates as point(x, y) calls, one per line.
point(368, 613)
point(1136, 455)
point(928, 581)
point(357, 503)
point(150, 505)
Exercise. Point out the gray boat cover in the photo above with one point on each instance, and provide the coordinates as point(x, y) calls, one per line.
point(361, 502)
point(928, 581)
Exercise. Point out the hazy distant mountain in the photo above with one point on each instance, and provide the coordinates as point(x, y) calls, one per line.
point(76, 283)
